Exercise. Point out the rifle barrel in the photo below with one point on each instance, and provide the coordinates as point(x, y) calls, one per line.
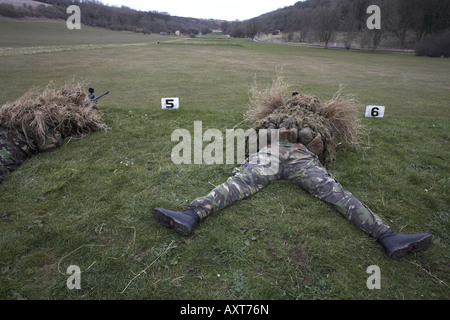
point(95, 99)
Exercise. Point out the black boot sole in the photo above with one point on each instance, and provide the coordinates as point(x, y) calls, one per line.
point(416, 246)
point(169, 222)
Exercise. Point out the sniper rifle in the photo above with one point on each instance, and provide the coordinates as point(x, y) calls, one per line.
point(93, 97)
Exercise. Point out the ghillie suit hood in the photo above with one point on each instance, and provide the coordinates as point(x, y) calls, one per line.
point(66, 112)
point(332, 122)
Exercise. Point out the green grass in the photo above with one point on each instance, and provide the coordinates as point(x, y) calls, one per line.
point(17, 33)
point(89, 203)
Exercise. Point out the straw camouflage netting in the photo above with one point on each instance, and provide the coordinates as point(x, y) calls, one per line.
point(39, 121)
point(329, 123)
point(68, 110)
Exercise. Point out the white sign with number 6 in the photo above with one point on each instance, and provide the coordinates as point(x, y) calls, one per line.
point(170, 103)
point(375, 112)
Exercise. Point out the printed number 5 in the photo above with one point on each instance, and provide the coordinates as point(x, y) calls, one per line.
point(170, 103)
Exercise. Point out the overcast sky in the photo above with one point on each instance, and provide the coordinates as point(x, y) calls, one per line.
point(225, 10)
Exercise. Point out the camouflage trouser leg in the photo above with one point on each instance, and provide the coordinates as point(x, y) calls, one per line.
point(10, 159)
point(312, 176)
point(13, 152)
point(246, 180)
point(304, 170)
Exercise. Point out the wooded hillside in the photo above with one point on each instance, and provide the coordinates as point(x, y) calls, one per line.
point(96, 14)
point(422, 25)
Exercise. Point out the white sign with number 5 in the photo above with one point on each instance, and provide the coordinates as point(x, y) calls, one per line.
point(375, 112)
point(170, 103)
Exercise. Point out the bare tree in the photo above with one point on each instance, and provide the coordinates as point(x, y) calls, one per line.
point(349, 12)
point(387, 14)
point(252, 27)
point(325, 24)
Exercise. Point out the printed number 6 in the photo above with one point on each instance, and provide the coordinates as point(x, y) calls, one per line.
point(374, 112)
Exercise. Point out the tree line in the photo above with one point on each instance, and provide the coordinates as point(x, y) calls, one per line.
point(423, 25)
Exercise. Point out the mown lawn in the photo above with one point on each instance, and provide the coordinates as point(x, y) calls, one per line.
point(89, 203)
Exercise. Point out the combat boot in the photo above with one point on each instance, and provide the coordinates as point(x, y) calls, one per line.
point(183, 222)
point(397, 245)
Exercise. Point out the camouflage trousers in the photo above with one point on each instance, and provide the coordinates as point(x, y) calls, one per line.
point(297, 164)
point(13, 151)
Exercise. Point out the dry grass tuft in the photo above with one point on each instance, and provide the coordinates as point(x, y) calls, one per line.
point(342, 112)
point(264, 101)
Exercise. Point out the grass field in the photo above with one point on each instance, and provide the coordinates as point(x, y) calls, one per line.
point(89, 203)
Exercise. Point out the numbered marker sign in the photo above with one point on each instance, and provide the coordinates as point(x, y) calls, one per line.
point(374, 112)
point(170, 103)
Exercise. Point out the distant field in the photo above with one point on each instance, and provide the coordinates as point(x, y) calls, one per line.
point(15, 33)
point(89, 203)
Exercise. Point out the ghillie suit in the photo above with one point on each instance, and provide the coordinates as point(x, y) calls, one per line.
point(308, 131)
point(304, 119)
point(39, 122)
